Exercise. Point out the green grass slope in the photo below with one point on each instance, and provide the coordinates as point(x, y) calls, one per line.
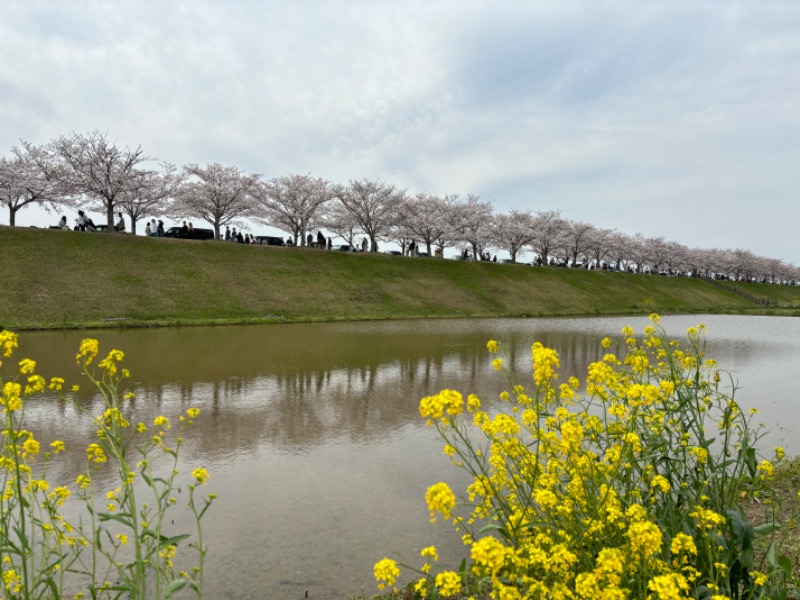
point(67, 279)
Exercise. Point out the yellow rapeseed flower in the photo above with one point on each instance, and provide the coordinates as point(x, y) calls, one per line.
point(440, 498)
point(644, 538)
point(683, 543)
point(386, 573)
point(448, 584)
point(30, 446)
point(8, 341)
point(545, 360)
point(200, 475)
point(95, 453)
point(490, 553)
point(109, 363)
point(27, 366)
point(87, 351)
point(430, 551)
point(434, 407)
point(672, 586)
point(660, 482)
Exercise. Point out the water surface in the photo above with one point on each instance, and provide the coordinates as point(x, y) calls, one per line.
point(312, 436)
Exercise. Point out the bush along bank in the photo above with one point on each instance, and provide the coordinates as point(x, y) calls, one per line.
point(635, 488)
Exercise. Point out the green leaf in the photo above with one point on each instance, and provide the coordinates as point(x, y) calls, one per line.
point(174, 586)
point(490, 527)
point(785, 564)
point(750, 460)
point(766, 528)
point(124, 518)
point(174, 540)
point(741, 529)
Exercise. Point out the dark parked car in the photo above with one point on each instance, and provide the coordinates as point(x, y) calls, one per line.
point(269, 240)
point(195, 234)
point(344, 248)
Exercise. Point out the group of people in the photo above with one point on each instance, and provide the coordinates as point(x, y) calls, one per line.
point(231, 235)
point(485, 256)
point(154, 229)
point(83, 222)
point(323, 242)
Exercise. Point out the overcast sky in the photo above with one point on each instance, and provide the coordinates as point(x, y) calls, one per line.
point(678, 119)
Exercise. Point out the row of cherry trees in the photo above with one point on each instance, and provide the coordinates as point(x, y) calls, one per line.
point(93, 172)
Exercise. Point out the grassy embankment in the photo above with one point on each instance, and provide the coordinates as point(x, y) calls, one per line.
point(54, 279)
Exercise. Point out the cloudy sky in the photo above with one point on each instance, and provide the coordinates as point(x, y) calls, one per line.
point(678, 119)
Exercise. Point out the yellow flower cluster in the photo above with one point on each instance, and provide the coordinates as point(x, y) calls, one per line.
point(200, 475)
point(440, 498)
point(446, 402)
point(614, 493)
point(386, 572)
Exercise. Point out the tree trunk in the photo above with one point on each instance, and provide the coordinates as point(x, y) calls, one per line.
point(110, 214)
point(12, 216)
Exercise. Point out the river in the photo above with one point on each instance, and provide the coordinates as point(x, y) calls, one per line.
point(313, 439)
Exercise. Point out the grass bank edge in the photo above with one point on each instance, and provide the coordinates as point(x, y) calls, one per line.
point(98, 281)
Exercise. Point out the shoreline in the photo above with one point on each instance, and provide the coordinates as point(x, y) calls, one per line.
point(125, 323)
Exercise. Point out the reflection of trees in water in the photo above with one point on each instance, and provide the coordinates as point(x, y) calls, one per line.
point(290, 409)
point(258, 389)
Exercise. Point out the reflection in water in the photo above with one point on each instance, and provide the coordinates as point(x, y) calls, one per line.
point(312, 435)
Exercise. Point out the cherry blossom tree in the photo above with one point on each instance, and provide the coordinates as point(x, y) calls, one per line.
point(217, 194)
point(547, 233)
point(474, 221)
point(426, 217)
point(150, 193)
point(676, 258)
point(97, 169)
point(373, 205)
point(293, 202)
point(654, 251)
point(342, 222)
point(598, 245)
point(30, 176)
point(619, 250)
point(639, 252)
point(513, 231)
point(575, 240)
